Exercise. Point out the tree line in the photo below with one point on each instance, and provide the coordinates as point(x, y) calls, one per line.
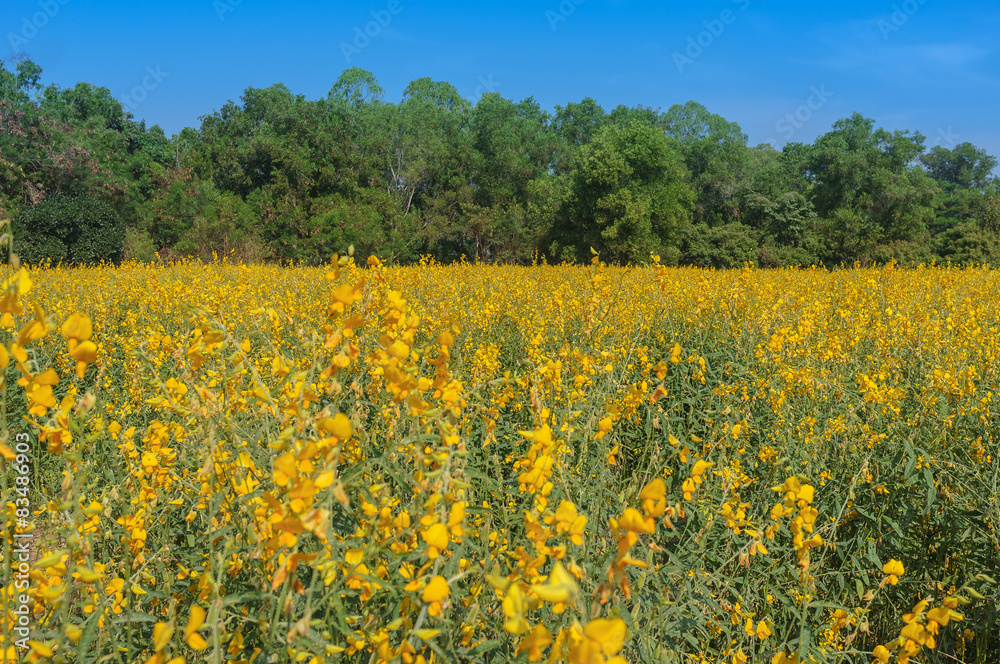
point(279, 177)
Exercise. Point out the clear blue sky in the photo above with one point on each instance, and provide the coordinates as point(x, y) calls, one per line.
point(926, 65)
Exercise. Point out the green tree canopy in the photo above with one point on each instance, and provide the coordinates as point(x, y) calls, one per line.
point(629, 197)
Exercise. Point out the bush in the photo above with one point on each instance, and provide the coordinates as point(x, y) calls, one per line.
point(771, 254)
point(139, 246)
point(726, 246)
point(198, 220)
point(73, 229)
point(967, 244)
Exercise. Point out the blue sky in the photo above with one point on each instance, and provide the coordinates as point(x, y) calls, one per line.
point(782, 70)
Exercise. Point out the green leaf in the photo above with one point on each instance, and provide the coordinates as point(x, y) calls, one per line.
point(240, 598)
point(485, 647)
point(894, 526)
point(931, 489)
point(90, 630)
point(133, 617)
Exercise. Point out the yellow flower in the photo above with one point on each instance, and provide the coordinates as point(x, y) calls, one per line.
point(19, 282)
point(570, 522)
point(513, 609)
point(882, 654)
point(635, 522)
point(436, 590)
point(893, 569)
point(608, 633)
point(78, 327)
point(161, 635)
point(675, 353)
point(39, 649)
point(542, 436)
point(85, 352)
point(33, 330)
point(535, 642)
point(436, 537)
point(339, 425)
point(73, 632)
point(10, 306)
point(942, 615)
point(700, 466)
point(560, 589)
point(763, 631)
point(399, 350)
point(790, 488)
point(41, 399)
point(918, 634)
point(806, 493)
point(654, 498)
point(916, 612)
point(195, 621)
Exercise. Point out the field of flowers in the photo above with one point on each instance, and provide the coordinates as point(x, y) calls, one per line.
point(586, 464)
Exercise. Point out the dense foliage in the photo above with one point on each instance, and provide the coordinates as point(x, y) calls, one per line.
point(75, 229)
point(282, 177)
point(483, 463)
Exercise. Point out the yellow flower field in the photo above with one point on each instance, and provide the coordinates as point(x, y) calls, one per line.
point(585, 464)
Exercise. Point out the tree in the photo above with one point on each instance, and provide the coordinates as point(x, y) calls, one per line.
point(21, 85)
point(74, 229)
point(628, 197)
point(642, 114)
point(356, 88)
point(715, 152)
point(431, 160)
point(866, 183)
point(85, 103)
point(965, 167)
point(278, 174)
point(575, 126)
point(511, 148)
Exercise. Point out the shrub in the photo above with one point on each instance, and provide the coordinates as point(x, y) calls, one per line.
point(139, 246)
point(726, 246)
point(74, 229)
point(967, 244)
